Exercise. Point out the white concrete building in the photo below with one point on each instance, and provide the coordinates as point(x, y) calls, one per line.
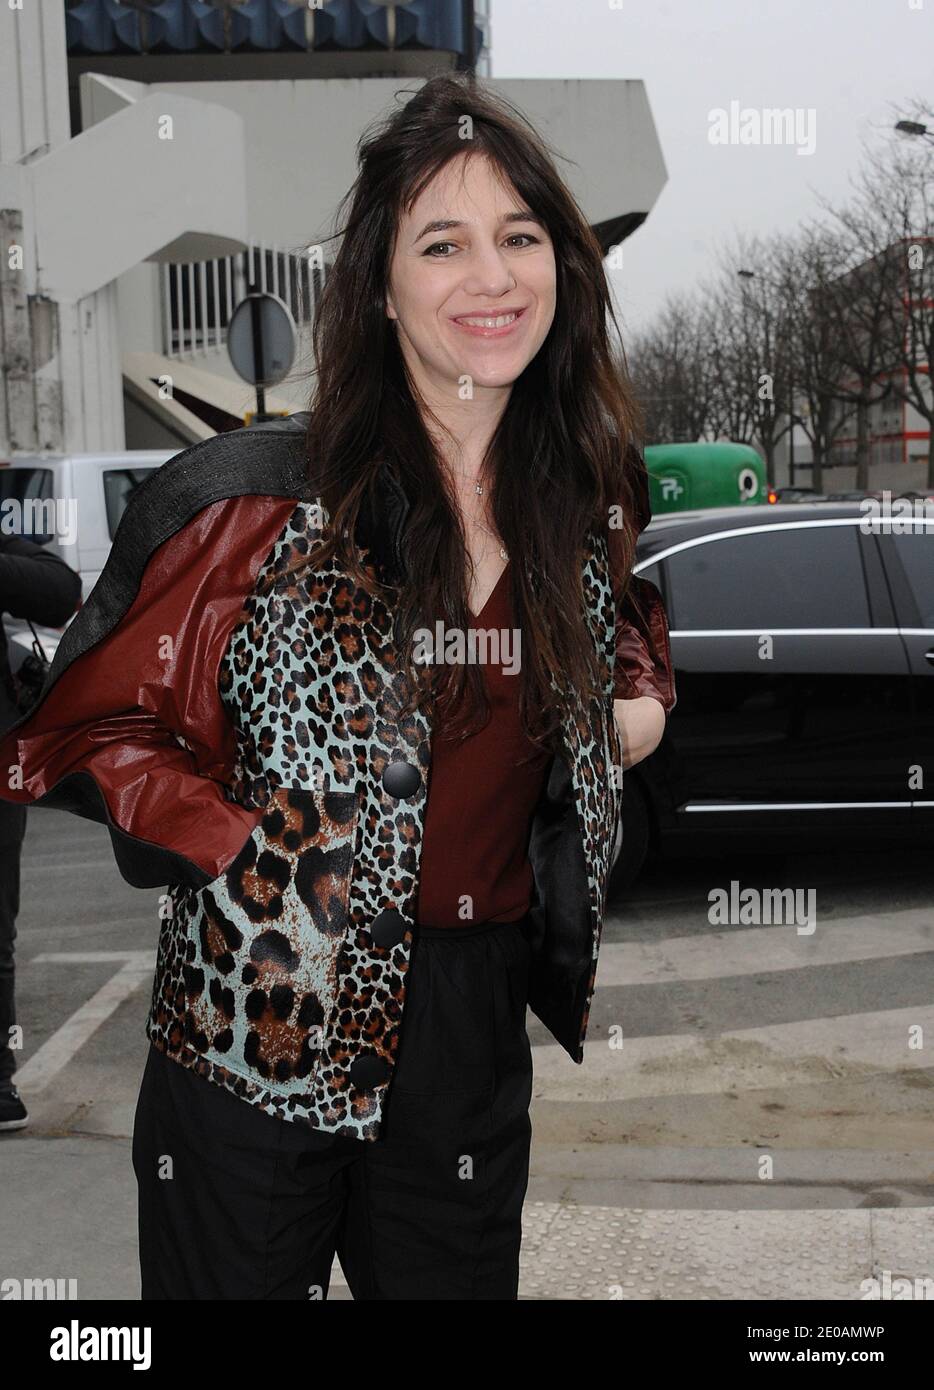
point(193, 172)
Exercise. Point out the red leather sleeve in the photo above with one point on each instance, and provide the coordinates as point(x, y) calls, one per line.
point(140, 711)
point(643, 651)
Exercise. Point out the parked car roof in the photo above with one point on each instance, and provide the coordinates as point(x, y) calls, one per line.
point(670, 526)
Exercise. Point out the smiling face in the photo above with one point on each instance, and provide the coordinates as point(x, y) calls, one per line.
point(472, 281)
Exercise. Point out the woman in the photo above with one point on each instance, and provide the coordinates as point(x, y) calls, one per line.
point(379, 848)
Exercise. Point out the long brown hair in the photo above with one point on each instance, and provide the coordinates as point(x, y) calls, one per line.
point(555, 462)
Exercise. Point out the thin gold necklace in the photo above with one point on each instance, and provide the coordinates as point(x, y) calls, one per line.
point(478, 489)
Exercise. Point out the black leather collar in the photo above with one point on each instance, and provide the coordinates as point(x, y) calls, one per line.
point(381, 519)
point(381, 525)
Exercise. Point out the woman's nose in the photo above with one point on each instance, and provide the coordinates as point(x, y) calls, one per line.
point(489, 273)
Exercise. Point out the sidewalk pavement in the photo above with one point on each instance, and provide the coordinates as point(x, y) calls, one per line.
point(74, 1216)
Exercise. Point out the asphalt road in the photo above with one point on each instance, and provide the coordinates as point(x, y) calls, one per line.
point(753, 1117)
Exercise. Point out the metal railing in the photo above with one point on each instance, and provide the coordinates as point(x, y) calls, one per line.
point(199, 298)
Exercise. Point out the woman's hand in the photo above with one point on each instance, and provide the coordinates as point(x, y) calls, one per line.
point(641, 723)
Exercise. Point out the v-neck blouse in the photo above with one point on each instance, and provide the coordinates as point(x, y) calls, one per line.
point(502, 576)
point(478, 815)
point(481, 799)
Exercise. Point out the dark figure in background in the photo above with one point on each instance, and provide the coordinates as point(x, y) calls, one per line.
point(38, 585)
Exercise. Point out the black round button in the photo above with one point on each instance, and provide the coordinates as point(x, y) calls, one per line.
point(368, 1071)
point(401, 779)
point(388, 927)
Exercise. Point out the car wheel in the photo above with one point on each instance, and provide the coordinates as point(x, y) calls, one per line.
point(636, 836)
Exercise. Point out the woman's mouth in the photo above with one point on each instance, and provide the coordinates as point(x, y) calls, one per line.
point(489, 325)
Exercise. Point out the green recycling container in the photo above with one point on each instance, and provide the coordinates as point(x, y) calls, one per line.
point(684, 477)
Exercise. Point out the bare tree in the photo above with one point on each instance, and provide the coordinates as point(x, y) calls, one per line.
point(731, 413)
point(811, 329)
point(880, 303)
point(671, 369)
point(899, 181)
point(809, 263)
point(755, 351)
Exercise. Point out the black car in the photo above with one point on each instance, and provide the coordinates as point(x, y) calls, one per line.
point(802, 637)
point(795, 494)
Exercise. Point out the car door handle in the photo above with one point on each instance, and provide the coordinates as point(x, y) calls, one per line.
point(929, 656)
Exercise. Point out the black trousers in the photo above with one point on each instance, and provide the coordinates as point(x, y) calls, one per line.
point(12, 830)
point(256, 1206)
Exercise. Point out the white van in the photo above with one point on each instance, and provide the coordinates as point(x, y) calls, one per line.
point(71, 503)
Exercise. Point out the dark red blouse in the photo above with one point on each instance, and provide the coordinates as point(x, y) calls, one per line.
point(478, 816)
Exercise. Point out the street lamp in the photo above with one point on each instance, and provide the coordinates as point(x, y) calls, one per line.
point(914, 128)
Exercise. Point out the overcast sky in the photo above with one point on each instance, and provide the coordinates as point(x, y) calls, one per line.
point(850, 61)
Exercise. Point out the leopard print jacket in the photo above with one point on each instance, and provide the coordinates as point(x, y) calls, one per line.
point(285, 794)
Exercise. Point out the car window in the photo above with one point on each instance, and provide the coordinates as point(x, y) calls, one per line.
point(653, 573)
point(810, 576)
point(915, 549)
point(119, 486)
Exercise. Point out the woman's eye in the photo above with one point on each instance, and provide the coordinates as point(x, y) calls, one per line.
point(516, 236)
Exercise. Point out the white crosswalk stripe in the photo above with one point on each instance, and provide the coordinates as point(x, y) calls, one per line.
point(783, 1054)
point(800, 1088)
point(753, 950)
